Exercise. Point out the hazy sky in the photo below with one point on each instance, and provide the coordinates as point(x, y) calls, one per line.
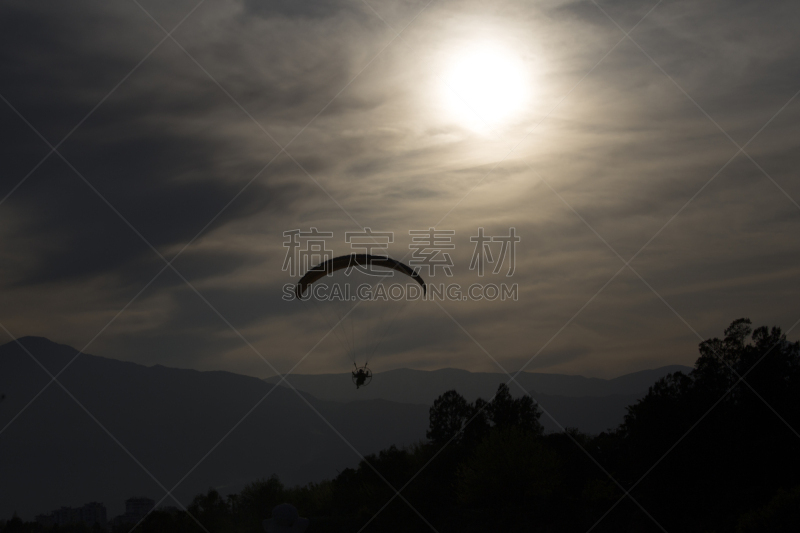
point(678, 146)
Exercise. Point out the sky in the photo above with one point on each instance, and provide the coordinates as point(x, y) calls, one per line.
point(155, 155)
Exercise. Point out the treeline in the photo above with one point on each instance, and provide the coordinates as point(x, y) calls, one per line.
point(714, 450)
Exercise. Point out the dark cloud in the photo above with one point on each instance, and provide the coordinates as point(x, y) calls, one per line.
point(146, 171)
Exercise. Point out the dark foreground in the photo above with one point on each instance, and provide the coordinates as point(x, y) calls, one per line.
point(714, 450)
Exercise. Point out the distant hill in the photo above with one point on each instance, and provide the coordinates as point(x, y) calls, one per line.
point(589, 404)
point(54, 453)
point(421, 386)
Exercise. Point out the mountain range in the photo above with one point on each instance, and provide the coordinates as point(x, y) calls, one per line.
point(108, 430)
point(421, 386)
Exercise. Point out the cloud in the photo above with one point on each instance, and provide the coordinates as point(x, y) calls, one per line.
point(179, 146)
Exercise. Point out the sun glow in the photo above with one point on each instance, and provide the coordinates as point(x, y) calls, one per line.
point(484, 87)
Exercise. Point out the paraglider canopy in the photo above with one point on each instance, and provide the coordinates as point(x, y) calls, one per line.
point(350, 261)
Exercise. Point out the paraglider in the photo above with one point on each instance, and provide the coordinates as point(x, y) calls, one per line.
point(362, 375)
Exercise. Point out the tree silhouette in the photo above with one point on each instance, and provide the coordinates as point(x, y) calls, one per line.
point(14, 525)
point(211, 510)
point(506, 412)
point(780, 515)
point(449, 416)
point(452, 418)
point(509, 468)
point(723, 436)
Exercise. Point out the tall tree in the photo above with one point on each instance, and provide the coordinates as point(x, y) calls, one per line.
point(522, 413)
point(452, 418)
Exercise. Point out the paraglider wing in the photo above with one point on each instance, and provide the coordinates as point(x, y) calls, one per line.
point(353, 260)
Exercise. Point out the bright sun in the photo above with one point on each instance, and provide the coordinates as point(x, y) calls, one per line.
point(485, 87)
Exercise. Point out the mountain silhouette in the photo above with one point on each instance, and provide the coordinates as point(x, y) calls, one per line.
point(120, 426)
point(422, 386)
point(592, 405)
point(119, 429)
